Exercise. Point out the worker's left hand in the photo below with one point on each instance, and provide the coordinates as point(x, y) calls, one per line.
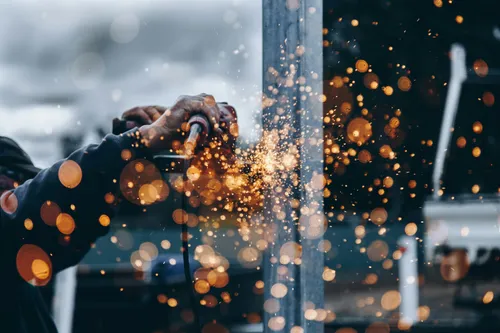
point(141, 115)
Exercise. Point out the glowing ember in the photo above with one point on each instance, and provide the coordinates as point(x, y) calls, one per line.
point(104, 220)
point(477, 127)
point(28, 224)
point(488, 297)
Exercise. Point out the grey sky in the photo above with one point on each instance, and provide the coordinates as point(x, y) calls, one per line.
point(73, 65)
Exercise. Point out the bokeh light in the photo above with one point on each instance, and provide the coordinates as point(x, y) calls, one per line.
point(34, 265)
point(477, 127)
point(279, 290)
point(329, 274)
point(488, 98)
point(271, 305)
point(378, 250)
point(461, 142)
point(104, 220)
point(361, 66)
point(28, 224)
point(141, 183)
point(404, 83)
point(488, 297)
point(8, 202)
point(423, 312)
point(359, 130)
point(390, 300)
point(65, 224)
point(70, 174)
point(276, 323)
point(49, 213)
point(480, 68)
point(411, 229)
point(378, 216)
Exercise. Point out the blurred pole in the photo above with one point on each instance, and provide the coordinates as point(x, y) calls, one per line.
point(457, 78)
point(293, 118)
point(408, 280)
point(64, 299)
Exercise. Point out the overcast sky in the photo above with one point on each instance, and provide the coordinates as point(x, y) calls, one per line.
point(73, 65)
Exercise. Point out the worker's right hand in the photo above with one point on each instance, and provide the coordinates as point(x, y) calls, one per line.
point(161, 126)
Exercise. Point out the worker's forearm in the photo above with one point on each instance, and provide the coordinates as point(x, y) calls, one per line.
point(68, 206)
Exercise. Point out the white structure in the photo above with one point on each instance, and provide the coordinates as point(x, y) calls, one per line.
point(448, 222)
point(64, 299)
point(461, 223)
point(408, 280)
point(457, 78)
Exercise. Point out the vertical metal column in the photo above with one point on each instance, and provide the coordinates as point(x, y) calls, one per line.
point(293, 116)
point(63, 304)
point(408, 281)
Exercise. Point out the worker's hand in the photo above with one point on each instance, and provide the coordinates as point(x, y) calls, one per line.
point(161, 126)
point(141, 115)
point(218, 155)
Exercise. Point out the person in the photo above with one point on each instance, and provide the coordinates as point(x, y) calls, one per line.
point(49, 222)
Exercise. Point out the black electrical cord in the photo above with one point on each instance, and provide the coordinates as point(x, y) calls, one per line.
point(188, 276)
point(199, 127)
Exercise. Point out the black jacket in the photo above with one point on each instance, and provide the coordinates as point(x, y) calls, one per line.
point(30, 228)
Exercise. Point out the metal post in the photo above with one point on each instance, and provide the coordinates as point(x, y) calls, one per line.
point(64, 299)
point(408, 280)
point(293, 118)
point(458, 77)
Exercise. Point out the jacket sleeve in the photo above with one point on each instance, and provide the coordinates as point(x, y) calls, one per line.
point(66, 207)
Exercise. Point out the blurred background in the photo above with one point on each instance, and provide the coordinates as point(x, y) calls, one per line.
point(72, 66)
point(67, 68)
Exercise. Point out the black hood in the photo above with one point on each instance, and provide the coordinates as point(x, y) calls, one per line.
point(13, 157)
